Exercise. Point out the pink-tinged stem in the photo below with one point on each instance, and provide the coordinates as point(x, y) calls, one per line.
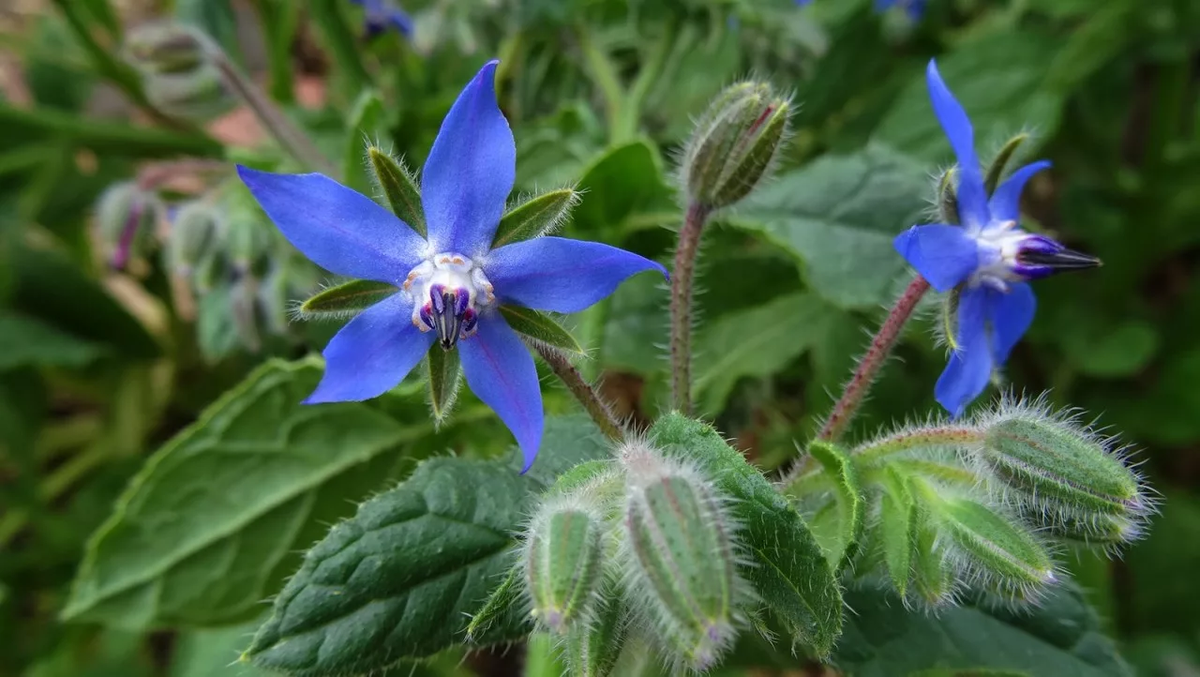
point(583, 392)
point(868, 367)
point(682, 281)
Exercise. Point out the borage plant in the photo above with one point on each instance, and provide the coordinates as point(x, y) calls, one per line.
point(625, 547)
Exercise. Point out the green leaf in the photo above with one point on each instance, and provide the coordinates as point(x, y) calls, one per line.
point(998, 76)
point(1116, 350)
point(210, 525)
point(24, 341)
point(402, 577)
point(50, 287)
point(443, 370)
point(204, 653)
point(1060, 637)
point(535, 217)
point(345, 300)
point(400, 187)
point(367, 127)
point(623, 181)
point(838, 217)
point(540, 326)
point(840, 539)
point(789, 570)
point(757, 342)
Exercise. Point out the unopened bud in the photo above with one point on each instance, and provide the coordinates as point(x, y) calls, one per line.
point(996, 550)
point(195, 230)
point(127, 216)
point(199, 94)
point(563, 557)
point(248, 243)
point(592, 648)
point(734, 144)
point(1062, 472)
point(679, 536)
point(165, 48)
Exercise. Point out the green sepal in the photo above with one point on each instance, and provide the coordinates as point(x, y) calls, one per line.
point(841, 543)
point(948, 318)
point(368, 121)
point(948, 197)
point(535, 217)
point(999, 164)
point(541, 327)
point(932, 577)
point(499, 605)
point(897, 528)
point(400, 187)
point(592, 648)
point(784, 562)
point(442, 367)
point(344, 300)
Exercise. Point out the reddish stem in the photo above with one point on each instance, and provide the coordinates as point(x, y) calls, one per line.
point(682, 282)
point(868, 367)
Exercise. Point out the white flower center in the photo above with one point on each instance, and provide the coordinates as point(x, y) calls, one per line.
point(447, 291)
point(999, 245)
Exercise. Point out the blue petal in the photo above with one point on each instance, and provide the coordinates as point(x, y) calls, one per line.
point(470, 170)
point(338, 229)
point(500, 371)
point(372, 353)
point(972, 198)
point(943, 255)
point(1005, 204)
point(1009, 316)
point(970, 367)
point(561, 275)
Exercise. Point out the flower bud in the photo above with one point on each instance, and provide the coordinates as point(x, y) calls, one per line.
point(161, 48)
point(194, 234)
point(563, 550)
point(734, 144)
point(199, 94)
point(592, 648)
point(679, 539)
point(1063, 473)
point(126, 216)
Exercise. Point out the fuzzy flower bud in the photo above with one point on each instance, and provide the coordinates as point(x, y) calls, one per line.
point(126, 216)
point(1065, 478)
point(194, 234)
point(563, 549)
point(163, 48)
point(684, 561)
point(592, 648)
point(734, 145)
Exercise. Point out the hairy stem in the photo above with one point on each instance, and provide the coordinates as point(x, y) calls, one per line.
point(868, 367)
point(682, 280)
point(290, 138)
point(583, 391)
point(899, 442)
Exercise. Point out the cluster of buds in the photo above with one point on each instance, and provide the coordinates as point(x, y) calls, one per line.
point(982, 506)
point(647, 545)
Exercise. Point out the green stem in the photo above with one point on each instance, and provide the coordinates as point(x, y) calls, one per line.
point(592, 404)
point(290, 138)
point(868, 367)
point(605, 75)
point(108, 137)
point(906, 440)
point(682, 283)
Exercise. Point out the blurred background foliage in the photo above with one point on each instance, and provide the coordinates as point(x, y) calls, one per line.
point(100, 365)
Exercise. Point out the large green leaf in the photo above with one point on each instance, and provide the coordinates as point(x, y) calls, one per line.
point(402, 577)
point(757, 342)
point(787, 567)
point(624, 180)
point(999, 77)
point(212, 522)
point(1060, 638)
point(838, 216)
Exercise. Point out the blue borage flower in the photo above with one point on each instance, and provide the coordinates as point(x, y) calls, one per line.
point(988, 259)
point(383, 15)
point(451, 284)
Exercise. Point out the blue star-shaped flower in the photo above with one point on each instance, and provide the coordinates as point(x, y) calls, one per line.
point(989, 258)
point(384, 15)
point(452, 284)
point(914, 8)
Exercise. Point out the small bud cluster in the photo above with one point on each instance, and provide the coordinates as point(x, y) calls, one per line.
point(645, 549)
point(178, 72)
point(983, 506)
point(221, 248)
point(734, 145)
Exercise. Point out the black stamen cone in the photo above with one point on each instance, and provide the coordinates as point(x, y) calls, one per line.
point(446, 322)
point(1064, 259)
